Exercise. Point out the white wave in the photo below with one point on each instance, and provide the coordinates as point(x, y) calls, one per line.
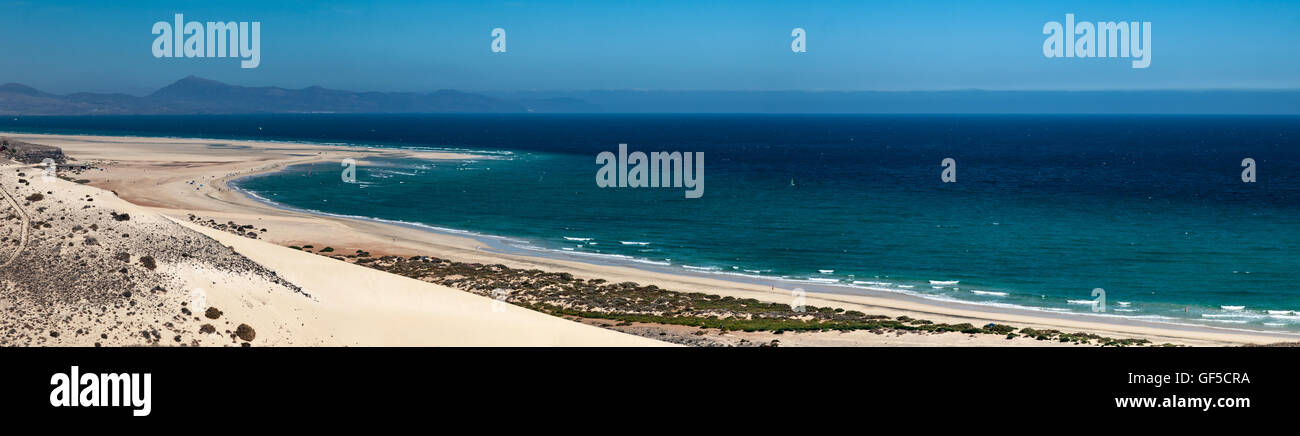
point(1241, 315)
point(702, 268)
point(822, 280)
point(996, 294)
point(736, 274)
point(1126, 310)
point(607, 255)
point(1123, 303)
point(1088, 302)
point(1232, 307)
point(944, 282)
point(576, 239)
point(1283, 312)
point(826, 271)
point(634, 243)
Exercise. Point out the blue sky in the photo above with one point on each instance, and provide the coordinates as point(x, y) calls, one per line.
point(66, 46)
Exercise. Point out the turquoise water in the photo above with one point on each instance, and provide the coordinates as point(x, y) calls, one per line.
point(1044, 210)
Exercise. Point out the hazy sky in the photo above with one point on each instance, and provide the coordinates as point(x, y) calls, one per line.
point(66, 46)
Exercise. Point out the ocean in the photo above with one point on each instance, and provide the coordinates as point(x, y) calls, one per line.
point(1044, 209)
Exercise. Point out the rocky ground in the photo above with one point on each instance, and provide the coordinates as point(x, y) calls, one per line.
point(84, 268)
point(245, 230)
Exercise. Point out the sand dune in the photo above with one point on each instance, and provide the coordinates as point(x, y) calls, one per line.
point(78, 277)
point(179, 177)
point(354, 305)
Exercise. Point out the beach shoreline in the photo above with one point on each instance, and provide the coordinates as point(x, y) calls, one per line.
point(497, 244)
point(177, 177)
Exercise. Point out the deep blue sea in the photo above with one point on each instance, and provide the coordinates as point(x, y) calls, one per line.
point(1045, 208)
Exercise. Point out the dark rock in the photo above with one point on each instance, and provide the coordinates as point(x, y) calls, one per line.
point(245, 332)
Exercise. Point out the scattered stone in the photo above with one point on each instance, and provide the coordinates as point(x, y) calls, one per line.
point(245, 332)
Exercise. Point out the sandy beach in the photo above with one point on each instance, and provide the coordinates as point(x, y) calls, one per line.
point(165, 181)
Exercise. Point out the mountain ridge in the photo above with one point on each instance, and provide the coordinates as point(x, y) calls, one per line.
point(197, 95)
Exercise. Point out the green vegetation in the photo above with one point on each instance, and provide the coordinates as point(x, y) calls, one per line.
point(563, 295)
point(1081, 338)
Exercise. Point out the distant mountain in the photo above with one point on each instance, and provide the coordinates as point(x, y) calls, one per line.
point(20, 89)
point(196, 95)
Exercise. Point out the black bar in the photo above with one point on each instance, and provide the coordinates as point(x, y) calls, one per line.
point(407, 383)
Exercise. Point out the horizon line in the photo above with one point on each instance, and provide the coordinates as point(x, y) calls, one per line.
point(720, 90)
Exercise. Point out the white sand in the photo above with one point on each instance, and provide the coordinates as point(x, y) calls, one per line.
point(355, 305)
point(154, 172)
